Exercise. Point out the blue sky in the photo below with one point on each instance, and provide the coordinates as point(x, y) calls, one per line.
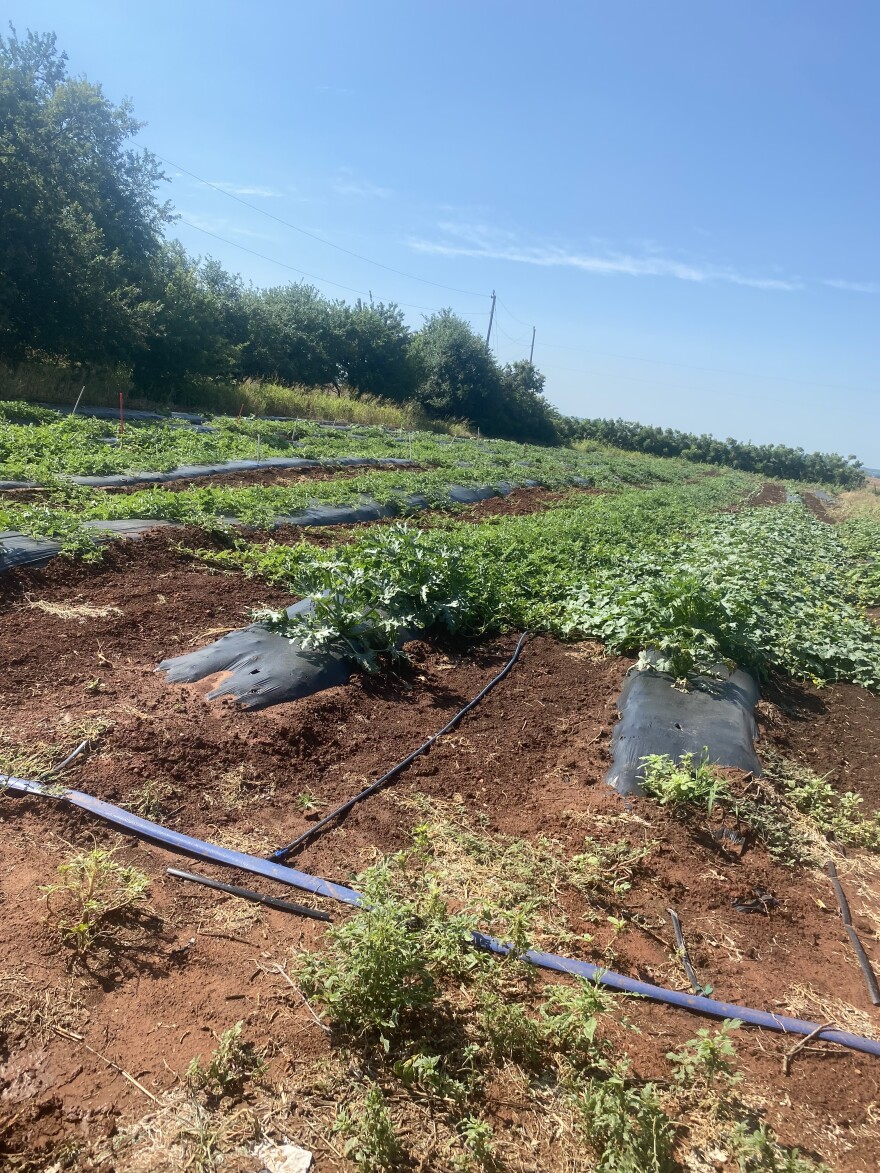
point(681, 196)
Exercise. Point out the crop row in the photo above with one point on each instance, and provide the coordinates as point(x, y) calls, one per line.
point(37, 444)
point(770, 589)
point(63, 506)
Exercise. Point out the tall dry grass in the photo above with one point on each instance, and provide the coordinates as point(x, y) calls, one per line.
point(49, 382)
point(861, 502)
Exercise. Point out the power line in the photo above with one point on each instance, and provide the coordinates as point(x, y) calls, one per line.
point(528, 325)
point(467, 293)
point(688, 366)
point(312, 276)
point(314, 236)
point(515, 341)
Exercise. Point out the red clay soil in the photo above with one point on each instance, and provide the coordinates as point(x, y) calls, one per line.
point(529, 760)
point(818, 508)
point(523, 501)
point(770, 493)
point(834, 730)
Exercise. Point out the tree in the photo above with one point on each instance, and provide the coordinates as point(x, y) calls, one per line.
point(457, 373)
point(80, 226)
point(292, 335)
point(186, 338)
point(375, 353)
point(529, 415)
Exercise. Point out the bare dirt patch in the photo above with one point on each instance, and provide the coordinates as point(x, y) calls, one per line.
point(818, 508)
point(834, 730)
point(770, 493)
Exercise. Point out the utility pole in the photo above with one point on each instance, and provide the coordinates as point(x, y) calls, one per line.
point(532, 351)
point(491, 318)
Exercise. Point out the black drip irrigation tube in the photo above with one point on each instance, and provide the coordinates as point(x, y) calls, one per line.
point(683, 954)
point(176, 841)
point(858, 948)
point(247, 894)
point(284, 853)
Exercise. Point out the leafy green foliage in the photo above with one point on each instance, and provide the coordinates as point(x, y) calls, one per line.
point(765, 589)
point(772, 460)
point(79, 222)
point(230, 1065)
point(431, 1018)
point(477, 1138)
point(369, 611)
point(708, 1058)
point(686, 781)
point(624, 1123)
point(860, 536)
point(756, 1150)
point(762, 588)
point(831, 812)
point(390, 962)
point(93, 893)
point(370, 1138)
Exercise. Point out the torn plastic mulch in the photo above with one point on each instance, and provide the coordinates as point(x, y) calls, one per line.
point(258, 667)
point(715, 715)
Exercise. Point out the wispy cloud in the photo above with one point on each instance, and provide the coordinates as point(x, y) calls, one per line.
point(348, 184)
point(476, 240)
point(248, 190)
point(852, 286)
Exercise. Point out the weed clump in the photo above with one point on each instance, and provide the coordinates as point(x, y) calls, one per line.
point(369, 1134)
point(429, 1027)
point(390, 962)
point(92, 899)
point(687, 781)
point(230, 1065)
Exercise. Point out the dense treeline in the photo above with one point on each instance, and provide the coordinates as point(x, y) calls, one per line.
point(87, 276)
point(772, 460)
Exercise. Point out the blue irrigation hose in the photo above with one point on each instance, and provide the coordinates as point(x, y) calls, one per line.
point(198, 848)
point(164, 837)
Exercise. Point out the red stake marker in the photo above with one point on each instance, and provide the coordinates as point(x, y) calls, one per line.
point(121, 416)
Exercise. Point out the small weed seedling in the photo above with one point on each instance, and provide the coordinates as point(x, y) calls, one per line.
point(94, 893)
point(370, 1139)
point(690, 781)
point(306, 803)
point(707, 1060)
point(231, 1064)
point(479, 1145)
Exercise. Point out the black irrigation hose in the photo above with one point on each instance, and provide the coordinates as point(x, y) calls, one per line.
point(683, 953)
point(846, 917)
point(247, 894)
point(282, 853)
